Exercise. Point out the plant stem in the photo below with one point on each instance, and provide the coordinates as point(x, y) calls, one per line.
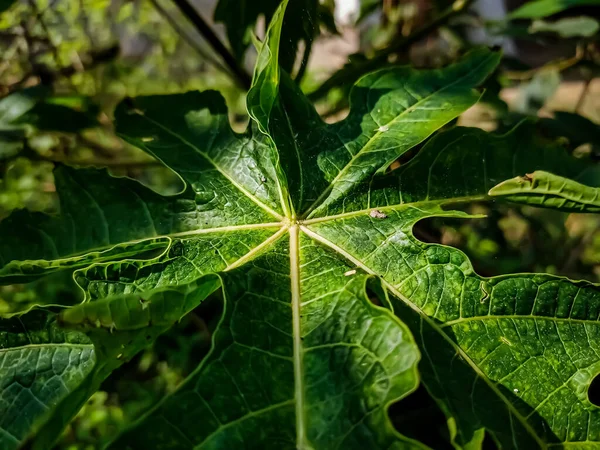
point(304, 63)
point(350, 75)
point(239, 73)
point(582, 96)
point(559, 66)
point(188, 38)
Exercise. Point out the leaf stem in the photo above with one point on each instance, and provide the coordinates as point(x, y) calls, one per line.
point(297, 327)
point(242, 78)
point(304, 63)
point(345, 76)
point(583, 95)
point(559, 66)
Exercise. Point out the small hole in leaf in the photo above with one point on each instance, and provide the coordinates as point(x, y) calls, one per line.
point(419, 417)
point(376, 293)
point(488, 442)
point(373, 297)
point(594, 391)
point(405, 158)
point(336, 113)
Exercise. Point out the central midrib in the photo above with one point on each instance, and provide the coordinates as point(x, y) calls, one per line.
point(297, 336)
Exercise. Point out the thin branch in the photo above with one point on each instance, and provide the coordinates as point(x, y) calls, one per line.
point(96, 162)
point(559, 66)
point(583, 95)
point(304, 63)
point(187, 37)
point(91, 60)
point(240, 74)
point(39, 15)
point(350, 75)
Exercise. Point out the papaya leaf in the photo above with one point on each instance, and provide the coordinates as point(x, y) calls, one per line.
point(333, 310)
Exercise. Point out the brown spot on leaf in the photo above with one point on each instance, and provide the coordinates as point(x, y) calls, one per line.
point(376, 214)
point(527, 178)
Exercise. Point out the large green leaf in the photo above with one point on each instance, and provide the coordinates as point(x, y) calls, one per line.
point(333, 310)
point(255, 390)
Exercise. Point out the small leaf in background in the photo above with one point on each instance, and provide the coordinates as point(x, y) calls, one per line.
point(537, 9)
point(11, 142)
point(569, 27)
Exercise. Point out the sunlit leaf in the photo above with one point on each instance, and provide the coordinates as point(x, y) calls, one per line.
point(333, 310)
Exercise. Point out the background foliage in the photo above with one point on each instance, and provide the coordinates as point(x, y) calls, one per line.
point(73, 61)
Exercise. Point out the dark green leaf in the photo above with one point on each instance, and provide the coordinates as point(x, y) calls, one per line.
point(468, 164)
point(325, 162)
point(253, 390)
point(333, 310)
